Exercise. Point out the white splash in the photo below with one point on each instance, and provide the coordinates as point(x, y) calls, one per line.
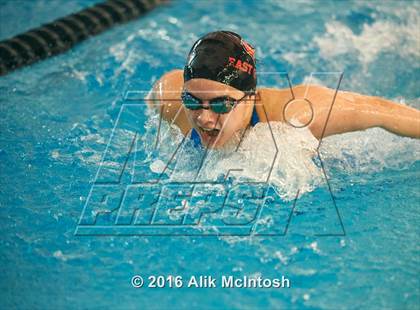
point(286, 162)
point(294, 165)
point(381, 36)
point(371, 150)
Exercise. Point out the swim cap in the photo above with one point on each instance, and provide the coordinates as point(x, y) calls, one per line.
point(222, 56)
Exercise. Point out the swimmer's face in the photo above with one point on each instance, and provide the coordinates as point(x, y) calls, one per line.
point(216, 129)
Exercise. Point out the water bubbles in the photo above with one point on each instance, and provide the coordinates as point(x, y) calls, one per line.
point(157, 166)
point(294, 250)
point(314, 247)
point(173, 20)
point(59, 255)
point(55, 154)
point(282, 258)
point(237, 269)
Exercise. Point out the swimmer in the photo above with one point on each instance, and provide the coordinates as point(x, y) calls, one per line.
point(215, 98)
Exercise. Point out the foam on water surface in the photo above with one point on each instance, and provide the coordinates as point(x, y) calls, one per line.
point(290, 163)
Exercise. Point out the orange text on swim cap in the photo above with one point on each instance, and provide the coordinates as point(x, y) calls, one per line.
point(241, 65)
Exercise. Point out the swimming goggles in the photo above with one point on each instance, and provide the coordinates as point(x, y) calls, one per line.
point(219, 105)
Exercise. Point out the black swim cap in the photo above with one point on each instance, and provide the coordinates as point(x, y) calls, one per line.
point(222, 56)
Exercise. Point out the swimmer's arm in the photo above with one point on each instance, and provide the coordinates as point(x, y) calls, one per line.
point(379, 112)
point(393, 117)
point(154, 98)
point(164, 97)
point(354, 112)
point(161, 96)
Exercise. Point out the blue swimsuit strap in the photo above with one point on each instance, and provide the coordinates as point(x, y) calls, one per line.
point(195, 137)
point(254, 118)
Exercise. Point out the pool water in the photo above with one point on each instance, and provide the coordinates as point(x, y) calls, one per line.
point(58, 116)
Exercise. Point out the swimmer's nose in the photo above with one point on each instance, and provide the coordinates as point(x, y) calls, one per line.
point(207, 117)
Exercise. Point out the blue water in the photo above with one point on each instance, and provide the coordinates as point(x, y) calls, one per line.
point(57, 117)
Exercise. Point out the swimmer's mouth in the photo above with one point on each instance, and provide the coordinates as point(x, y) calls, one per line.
point(210, 132)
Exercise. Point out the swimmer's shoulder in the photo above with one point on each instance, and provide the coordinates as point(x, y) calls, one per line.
point(273, 101)
point(165, 97)
point(270, 103)
point(168, 86)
